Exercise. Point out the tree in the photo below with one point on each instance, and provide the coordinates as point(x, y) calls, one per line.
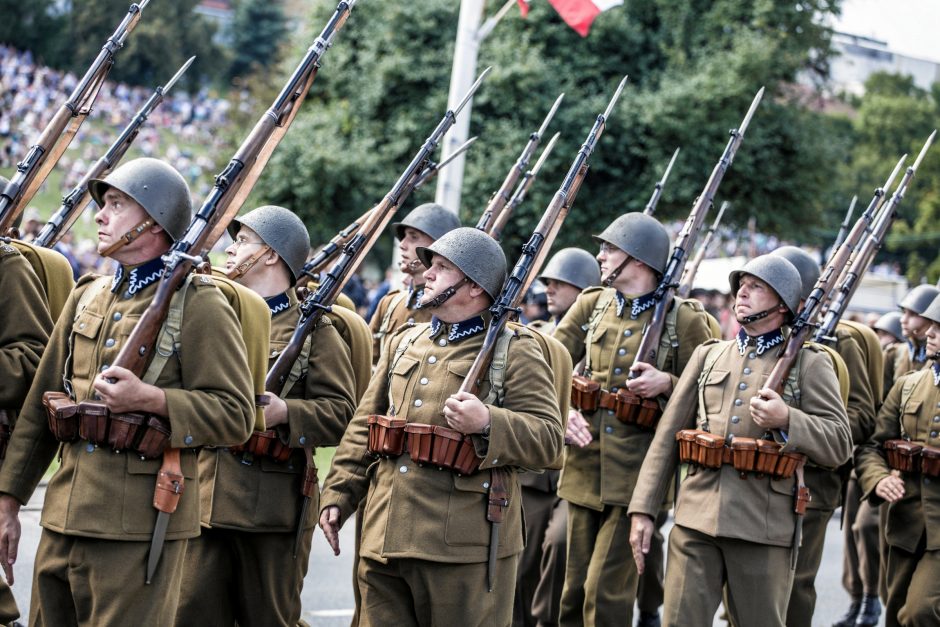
point(258, 32)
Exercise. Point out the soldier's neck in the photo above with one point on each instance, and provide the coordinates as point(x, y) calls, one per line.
point(135, 255)
point(760, 327)
point(265, 281)
point(635, 284)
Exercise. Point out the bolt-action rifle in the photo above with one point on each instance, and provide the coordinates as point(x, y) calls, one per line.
point(688, 277)
point(650, 208)
point(522, 189)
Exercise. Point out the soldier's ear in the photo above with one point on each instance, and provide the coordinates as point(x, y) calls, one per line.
point(476, 290)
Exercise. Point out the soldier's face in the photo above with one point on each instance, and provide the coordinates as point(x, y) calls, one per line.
point(914, 325)
point(441, 275)
point(933, 339)
point(409, 262)
point(245, 245)
point(561, 296)
point(755, 296)
point(120, 214)
point(610, 257)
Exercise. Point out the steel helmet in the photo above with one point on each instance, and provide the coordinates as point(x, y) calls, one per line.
point(804, 264)
point(573, 265)
point(640, 236)
point(475, 253)
point(430, 218)
point(919, 299)
point(781, 275)
point(280, 229)
point(891, 323)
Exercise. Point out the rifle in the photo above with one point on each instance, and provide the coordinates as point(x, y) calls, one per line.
point(850, 278)
point(328, 252)
point(522, 189)
point(688, 277)
point(650, 208)
point(844, 227)
point(649, 343)
point(232, 185)
point(32, 171)
point(319, 302)
point(75, 201)
point(507, 304)
point(501, 196)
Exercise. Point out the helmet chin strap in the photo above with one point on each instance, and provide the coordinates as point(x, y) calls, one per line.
point(128, 237)
point(616, 272)
point(413, 265)
point(760, 315)
point(242, 269)
point(444, 296)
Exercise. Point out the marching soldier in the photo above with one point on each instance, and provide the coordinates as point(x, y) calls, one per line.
point(900, 466)
point(604, 326)
point(542, 567)
point(915, 326)
point(891, 335)
point(252, 495)
point(98, 517)
point(826, 485)
point(425, 537)
point(421, 227)
point(736, 528)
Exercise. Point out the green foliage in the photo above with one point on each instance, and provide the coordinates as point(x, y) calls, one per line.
point(33, 25)
point(258, 32)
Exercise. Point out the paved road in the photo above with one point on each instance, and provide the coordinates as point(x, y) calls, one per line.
point(327, 596)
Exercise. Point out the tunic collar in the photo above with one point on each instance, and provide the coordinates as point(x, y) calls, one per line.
point(936, 374)
point(138, 277)
point(278, 304)
point(414, 297)
point(458, 330)
point(762, 342)
point(917, 353)
point(637, 305)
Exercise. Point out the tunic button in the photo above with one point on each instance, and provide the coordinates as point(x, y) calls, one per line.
point(403, 469)
point(610, 412)
point(432, 359)
point(614, 389)
point(109, 342)
point(105, 367)
point(926, 479)
point(737, 402)
point(81, 325)
point(742, 386)
point(418, 402)
point(302, 439)
point(442, 342)
point(424, 380)
point(622, 352)
point(735, 419)
point(751, 355)
point(188, 439)
point(411, 320)
point(486, 485)
point(89, 448)
point(627, 333)
point(127, 295)
point(117, 316)
point(618, 370)
point(933, 434)
point(936, 418)
point(609, 429)
point(747, 371)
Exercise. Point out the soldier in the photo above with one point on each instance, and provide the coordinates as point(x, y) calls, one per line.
point(25, 325)
point(604, 326)
point(898, 466)
point(825, 484)
point(252, 502)
point(425, 540)
point(732, 532)
point(542, 567)
point(914, 326)
point(98, 515)
point(423, 224)
point(888, 328)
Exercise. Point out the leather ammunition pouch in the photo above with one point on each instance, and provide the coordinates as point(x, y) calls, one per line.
point(930, 461)
point(913, 457)
point(747, 455)
point(144, 434)
point(265, 443)
point(6, 430)
point(427, 445)
point(587, 396)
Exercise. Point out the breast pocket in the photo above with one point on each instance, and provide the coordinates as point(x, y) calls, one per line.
point(456, 374)
point(909, 415)
point(600, 354)
point(713, 391)
point(85, 331)
point(400, 380)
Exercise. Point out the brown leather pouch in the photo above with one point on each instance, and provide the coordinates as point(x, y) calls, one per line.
point(278, 451)
point(743, 455)
point(688, 448)
point(930, 461)
point(93, 422)
point(710, 449)
point(768, 456)
point(802, 499)
point(787, 464)
point(444, 447)
point(903, 455)
point(62, 413)
point(467, 461)
point(648, 414)
point(124, 430)
point(386, 436)
point(260, 442)
point(585, 393)
point(154, 437)
point(420, 442)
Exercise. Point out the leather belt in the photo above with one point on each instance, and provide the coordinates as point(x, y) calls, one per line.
point(430, 445)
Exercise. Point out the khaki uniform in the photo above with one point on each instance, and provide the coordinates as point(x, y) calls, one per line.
point(733, 532)
point(426, 529)
point(251, 505)
point(826, 484)
point(396, 308)
point(97, 494)
point(598, 480)
point(912, 562)
point(25, 325)
point(902, 358)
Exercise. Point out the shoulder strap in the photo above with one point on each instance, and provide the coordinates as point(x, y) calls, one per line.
point(907, 390)
point(407, 340)
point(600, 306)
point(171, 335)
point(498, 369)
point(710, 358)
point(384, 329)
point(669, 340)
point(299, 369)
point(96, 285)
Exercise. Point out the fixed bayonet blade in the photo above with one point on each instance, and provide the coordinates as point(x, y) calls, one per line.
point(750, 112)
point(545, 152)
point(462, 148)
point(551, 114)
point(616, 97)
point(493, 553)
point(473, 89)
point(894, 173)
point(923, 151)
point(156, 544)
point(300, 525)
point(721, 212)
point(178, 74)
point(662, 181)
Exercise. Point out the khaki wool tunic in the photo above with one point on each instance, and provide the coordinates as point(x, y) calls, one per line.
point(902, 358)
point(401, 308)
point(101, 494)
point(421, 512)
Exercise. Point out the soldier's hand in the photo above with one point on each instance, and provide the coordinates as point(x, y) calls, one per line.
point(466, 413)
point(122, 391)
point(9, 534)
point(641, 533)
point(649, 382)
point(275, 413)
point(329, 522)
point(891, 488)
point(578, 432)
point(769, 411)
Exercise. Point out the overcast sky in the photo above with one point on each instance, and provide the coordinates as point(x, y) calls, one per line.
point(909, 26)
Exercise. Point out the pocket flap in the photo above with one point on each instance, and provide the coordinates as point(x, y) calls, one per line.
point(912, 407)
point(473, 483)
point(404, 365)
point(716, 376)
point(87, 324)
point(459, 368)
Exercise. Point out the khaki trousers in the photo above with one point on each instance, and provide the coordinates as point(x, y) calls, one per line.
point(86, 581)
point(546, 605)
point(803, 597)
point(537, 506)
point(649, 593)
point(419, 593)
point(600, 577)
point(699, 566)
point(913, 587)
point(240, 577)
point(9, 612)
point(861, 555)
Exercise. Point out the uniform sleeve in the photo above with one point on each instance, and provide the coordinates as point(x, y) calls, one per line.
point(870, 463)
point(661, 459)
point(572, 329)
point(526, 431)
point(25, 325)
point(819, 427)
point(215, 406)
point(375, 325)
point(861, 405)
point(321, 415)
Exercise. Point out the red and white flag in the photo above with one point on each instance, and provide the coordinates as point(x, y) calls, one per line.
point(580, 14)
point(523, 7)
